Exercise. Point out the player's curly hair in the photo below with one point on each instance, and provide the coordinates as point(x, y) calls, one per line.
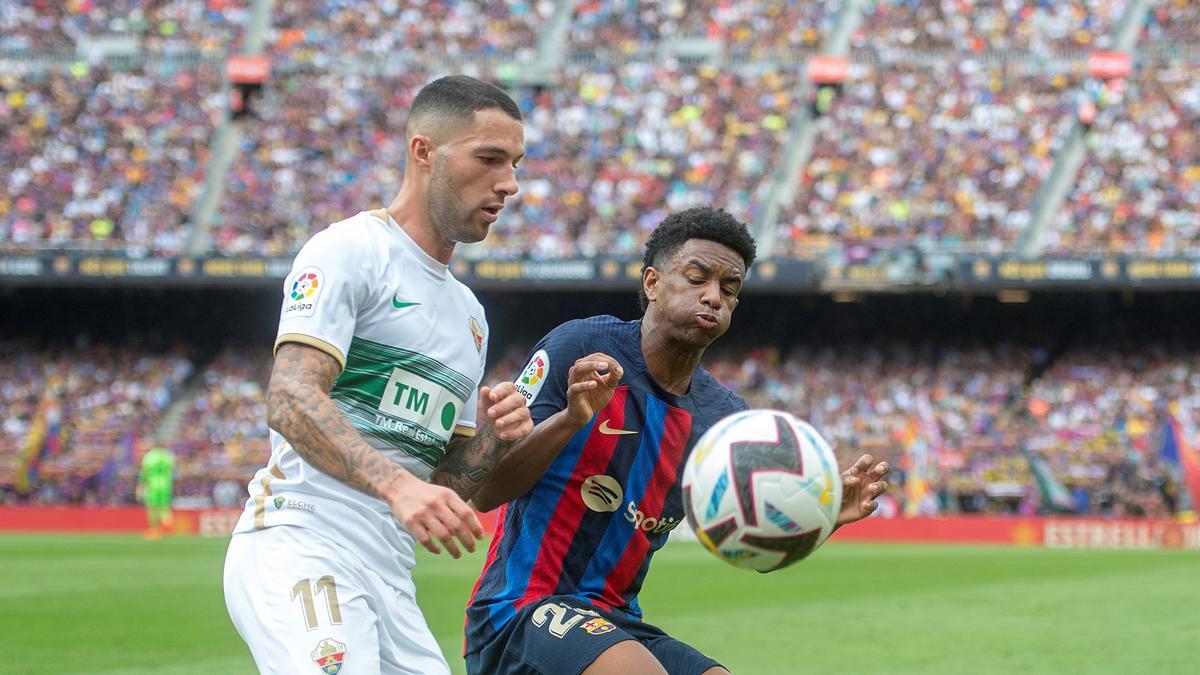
point(701, 222)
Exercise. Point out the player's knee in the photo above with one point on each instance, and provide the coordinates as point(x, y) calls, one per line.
point(624, 658)
point(716, 670)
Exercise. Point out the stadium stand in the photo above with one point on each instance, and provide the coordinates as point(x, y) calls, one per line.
point(943, 154)
point(918, 149)
point(1139, 191)
point(951, 119)
point(104, 159)
point(83, 418)
point(222, 434)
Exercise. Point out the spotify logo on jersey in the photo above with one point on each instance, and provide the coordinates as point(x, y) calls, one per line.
point(601, 493)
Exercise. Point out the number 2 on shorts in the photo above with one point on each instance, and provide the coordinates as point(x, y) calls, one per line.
point(304, 590)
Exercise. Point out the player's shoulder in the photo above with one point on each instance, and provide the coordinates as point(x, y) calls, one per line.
point(602, 333)
point(354, 239)
point(714, 398)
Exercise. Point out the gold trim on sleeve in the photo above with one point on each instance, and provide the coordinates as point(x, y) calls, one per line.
point(316, 343)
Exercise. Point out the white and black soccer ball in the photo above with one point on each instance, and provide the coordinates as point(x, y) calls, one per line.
point(762, 489)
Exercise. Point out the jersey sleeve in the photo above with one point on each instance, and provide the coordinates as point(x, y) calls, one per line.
point(543, 381)
point(323, 294)
point(466, 424)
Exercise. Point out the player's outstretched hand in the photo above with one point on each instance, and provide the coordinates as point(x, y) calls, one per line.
point(590, 385)
point(433, 514)
point(862, 484)
point(505, 408)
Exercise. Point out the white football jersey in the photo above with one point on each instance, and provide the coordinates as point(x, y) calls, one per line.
point(412, 341)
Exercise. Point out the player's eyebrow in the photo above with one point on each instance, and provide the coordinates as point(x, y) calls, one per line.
point(696, 262)
point(497, 150)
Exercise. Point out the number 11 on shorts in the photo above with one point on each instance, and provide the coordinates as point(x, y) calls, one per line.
point(304, 590)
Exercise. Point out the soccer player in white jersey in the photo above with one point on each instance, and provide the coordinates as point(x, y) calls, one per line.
point(379, 430)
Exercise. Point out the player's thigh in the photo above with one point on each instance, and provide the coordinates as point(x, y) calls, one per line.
point(301, 605)
point(556, 635)
point(624, 658)
point(406, 645)
point(680, 658)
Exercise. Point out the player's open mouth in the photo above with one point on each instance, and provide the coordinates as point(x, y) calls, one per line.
point(491, 213)
point(707, 320)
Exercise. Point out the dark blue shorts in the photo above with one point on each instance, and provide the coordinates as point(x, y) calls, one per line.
point(561, 635)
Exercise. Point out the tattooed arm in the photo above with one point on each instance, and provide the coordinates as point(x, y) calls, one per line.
point(299, 408)
point(590, 384)
point(503, 419)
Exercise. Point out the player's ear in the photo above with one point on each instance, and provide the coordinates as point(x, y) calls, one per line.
point(420, 149)
point(650, 279)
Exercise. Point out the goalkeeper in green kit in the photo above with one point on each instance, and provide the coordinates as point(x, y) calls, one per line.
point(155, 483)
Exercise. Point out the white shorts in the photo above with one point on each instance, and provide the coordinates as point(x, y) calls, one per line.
point(304, 604)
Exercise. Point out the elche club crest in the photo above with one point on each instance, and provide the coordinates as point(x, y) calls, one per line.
point(476, 332)
point(329, 656)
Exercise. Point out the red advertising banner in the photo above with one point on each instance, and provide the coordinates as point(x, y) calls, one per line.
point(206, 522)
point(1079, 533)
point(1125, 533)
point(1109, 65)
point(828, 69)
point(247, 69)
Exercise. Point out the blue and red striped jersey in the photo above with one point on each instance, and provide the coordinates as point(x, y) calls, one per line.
point(591, 524)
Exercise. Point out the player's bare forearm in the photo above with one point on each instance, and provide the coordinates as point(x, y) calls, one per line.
point(299, 408)
point(521, 467)
point(469, 461)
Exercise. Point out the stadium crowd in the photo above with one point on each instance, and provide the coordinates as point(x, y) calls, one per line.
point(77, 418)
point(1139, 190)
point(918, 148)
point(104, 159)
point(947, 154)
point(961, 419)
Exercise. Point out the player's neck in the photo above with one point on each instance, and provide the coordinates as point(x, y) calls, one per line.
point(408, 210)
point(670, 363)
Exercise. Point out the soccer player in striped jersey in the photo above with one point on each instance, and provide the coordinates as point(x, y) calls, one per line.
point(594, 490)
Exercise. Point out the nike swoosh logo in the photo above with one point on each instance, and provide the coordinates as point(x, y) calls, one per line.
point(401, 305)
point(609, 431)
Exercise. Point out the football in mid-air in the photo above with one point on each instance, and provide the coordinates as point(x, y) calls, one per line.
point(761, 489)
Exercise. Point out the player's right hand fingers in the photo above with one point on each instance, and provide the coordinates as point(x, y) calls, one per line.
point(592, 363)
point(440, 533)
point(465, 524)
point(421, 534)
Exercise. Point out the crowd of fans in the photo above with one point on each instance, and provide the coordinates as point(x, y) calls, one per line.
point(98, 158)
point(963, 420)
point(965, 415)
point(158, 26)
point(1139, 189)
point(322, 33)
point(77, 419)
point(1039, 26)
point(933, 140)
point(764, 30)
point(222, 435)
point(966, 420)
point(946, 153)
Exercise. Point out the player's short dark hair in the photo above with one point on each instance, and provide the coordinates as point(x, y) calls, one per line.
point(701, 222)
point(458, 97)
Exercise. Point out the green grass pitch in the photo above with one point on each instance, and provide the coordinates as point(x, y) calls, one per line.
point(117, 604)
